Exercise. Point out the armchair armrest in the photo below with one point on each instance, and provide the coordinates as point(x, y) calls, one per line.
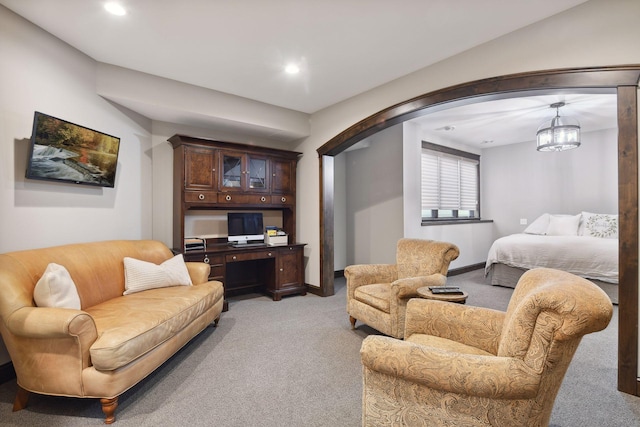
point(198, 271)
point(366, 274)
point(476, 375)
point(408, 288)
point(475, 326)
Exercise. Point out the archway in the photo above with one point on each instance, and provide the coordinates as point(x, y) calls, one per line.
point(621, 79)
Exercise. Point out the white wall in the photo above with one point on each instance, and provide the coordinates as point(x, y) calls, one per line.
point(39, 72)
point(373, 182)
point(520, 182)
point(596, 33)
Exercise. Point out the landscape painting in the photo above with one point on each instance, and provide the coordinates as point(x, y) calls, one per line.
point(63, 151)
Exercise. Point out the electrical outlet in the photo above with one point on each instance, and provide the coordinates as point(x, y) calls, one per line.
point(523, 221)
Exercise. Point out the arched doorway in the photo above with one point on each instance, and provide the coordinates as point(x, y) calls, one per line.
point(621, 79)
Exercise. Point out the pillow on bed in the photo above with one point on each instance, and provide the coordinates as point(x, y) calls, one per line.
point(563, 225)
point(599, 225)
point(539, 226)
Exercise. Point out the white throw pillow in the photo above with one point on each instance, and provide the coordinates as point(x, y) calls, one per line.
point(142, 275)
point(539, 226)
point(56, 289)
point(563, 225)
point(599, 225)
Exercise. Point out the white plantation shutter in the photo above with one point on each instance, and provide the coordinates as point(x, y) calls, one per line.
point(449, 182)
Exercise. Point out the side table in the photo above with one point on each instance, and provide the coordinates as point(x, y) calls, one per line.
point(425, 292)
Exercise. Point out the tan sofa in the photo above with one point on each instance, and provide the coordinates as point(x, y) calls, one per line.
point(113, 341)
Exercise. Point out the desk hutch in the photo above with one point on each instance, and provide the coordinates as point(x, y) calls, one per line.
point(215, 175)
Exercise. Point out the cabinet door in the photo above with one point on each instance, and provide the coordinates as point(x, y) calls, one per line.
point(200, 168)
point(289, 267)
point(233, 177)
point(282, 176)
point(258, 174)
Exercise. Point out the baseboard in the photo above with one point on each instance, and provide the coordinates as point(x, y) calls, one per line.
point(315, 290)
point(467, 269)
point(7, 372)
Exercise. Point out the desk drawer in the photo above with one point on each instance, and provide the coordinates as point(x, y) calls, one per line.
point(200, 197)
point(248, 256)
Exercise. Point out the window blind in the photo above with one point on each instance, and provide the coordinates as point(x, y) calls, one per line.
point(449, 182)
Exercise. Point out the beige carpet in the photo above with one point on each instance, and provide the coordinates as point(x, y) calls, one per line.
point(296, 362)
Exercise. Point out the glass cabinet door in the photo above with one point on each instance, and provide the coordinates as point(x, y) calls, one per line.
point(257, 173)
point(231, 171)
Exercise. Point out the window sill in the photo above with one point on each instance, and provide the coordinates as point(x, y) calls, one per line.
point(454, 222)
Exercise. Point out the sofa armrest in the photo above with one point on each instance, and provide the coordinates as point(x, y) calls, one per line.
point(198, 271)
point(44, 328)
point(475, 326)
point(446, 371)
point(366, 274)
point(408, 288)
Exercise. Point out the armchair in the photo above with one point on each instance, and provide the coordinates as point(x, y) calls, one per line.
point(472, 366)
point(377, 294)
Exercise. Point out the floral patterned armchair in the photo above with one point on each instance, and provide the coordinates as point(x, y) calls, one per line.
point(470, 366)
point(377, 294)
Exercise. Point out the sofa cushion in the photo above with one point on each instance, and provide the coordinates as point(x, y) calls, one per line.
point(142, 275)
point(130, 326)
point(56, 289)
point(376, 295)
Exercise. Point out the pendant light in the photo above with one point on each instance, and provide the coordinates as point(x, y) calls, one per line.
point(558, 133)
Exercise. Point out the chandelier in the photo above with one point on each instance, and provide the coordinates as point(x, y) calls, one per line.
point(558, 133)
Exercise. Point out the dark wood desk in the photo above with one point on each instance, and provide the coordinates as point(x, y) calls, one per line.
point(277, 270)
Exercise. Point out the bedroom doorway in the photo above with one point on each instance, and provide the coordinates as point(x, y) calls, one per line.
point(622, 80)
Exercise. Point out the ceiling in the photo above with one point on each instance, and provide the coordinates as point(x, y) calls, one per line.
point(487, 124)
point(343, 48)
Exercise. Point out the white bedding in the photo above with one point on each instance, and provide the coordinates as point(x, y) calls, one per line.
point(584, 256)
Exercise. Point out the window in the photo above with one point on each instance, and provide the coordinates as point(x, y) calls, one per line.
point(450, 184)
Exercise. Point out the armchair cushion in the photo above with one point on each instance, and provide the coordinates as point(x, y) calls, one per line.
point(376, 295)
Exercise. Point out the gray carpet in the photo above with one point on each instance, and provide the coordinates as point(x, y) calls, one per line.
point(296, 362)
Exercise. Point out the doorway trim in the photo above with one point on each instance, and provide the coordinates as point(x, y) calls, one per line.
point(622, 80)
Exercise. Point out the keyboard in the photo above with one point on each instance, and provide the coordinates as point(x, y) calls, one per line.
point(249, 245)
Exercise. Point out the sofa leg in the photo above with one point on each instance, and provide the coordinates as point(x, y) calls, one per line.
point(109, 409)
point(215, 321)
point(353, 322)
point(21, 400)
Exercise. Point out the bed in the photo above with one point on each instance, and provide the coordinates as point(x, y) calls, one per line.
point(590, 250)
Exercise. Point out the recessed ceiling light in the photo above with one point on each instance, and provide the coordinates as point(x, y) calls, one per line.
point(292, 69)
point(115, 8)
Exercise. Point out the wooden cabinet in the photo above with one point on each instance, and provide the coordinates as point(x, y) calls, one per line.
point(289, 272)
point(215, 175)
point(244, 172)
point(200, 171)
point(212, 174)
point(277, 269)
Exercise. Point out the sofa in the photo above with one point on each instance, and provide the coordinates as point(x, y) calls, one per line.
point(91, 320)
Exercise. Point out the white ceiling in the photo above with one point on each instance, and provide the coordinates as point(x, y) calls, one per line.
point(489, 124)
point(344, 47)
